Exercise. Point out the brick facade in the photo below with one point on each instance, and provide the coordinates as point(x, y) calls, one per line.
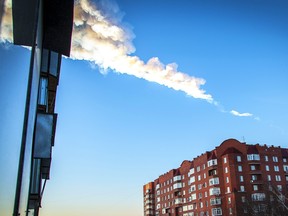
point(233, 179)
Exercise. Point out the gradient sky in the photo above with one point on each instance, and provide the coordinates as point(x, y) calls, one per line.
point(116, 132)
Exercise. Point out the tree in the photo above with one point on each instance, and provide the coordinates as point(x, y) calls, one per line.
point(269, 201)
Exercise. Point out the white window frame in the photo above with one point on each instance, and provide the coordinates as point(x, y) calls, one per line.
point(240, 168)
point(212, 162)
point(255, 157)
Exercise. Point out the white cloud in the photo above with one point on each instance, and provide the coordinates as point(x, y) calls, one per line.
point(236, 113)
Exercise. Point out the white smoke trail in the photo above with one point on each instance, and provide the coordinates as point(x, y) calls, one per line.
point(6, 30)
point(98, 39)
point(102, 39)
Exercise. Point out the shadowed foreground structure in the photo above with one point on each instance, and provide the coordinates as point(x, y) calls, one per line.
point(45, 26)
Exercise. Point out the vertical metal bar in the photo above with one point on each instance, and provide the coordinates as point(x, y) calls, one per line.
point(26, 118)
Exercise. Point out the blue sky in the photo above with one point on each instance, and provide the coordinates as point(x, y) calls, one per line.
point(116, 132)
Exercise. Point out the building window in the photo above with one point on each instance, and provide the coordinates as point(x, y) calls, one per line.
point(225, 160)
point(279, 187)
point(177, 185)
point(193, 196)
point(241, 178)
point(284, 160)
point(275, 159)
point(227, 179)
point(177, 178)
point(242, 188)
point(243, 199)
point(230, 211)
point(216, 211)
point(229, 200)
point(252, 167)
point(285, 168)
point(212, 172)
point(286, 178)
point(266, 158)
point(192, 179)
point(191, 172)
point(213, 181)
point(199, 177)
point(214, 191)
point(204, 175)
point(212, 162)
point(255, 187)
point(228, 190)
point(276, 168)
point(268, 177)
point(258, 197)
point(278, 178)
point(226, 169)
point(215, 201)
point(192, 188)
point(203, 167)
point(267, 168)
point(43, 91)
point(54, 63)
point(198, 169)
point(238, 158)
point(200, 196)
point(50, 62)
point(239, 168)
point(199, 186)
point(253, 157)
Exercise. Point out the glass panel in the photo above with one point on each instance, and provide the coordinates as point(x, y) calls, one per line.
point(45, 168)
point(54, 63)
point(35, 179)
point(44, 60)
point(43, 89)
point(44, 135)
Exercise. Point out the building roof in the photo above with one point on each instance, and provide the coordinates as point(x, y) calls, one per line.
point(211, 155)
point(284, 152)
point(231, 150)
point(252, 149)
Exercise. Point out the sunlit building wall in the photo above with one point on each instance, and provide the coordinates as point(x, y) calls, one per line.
point(233, 179)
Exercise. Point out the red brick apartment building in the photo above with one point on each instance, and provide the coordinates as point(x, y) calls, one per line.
point(233, 179)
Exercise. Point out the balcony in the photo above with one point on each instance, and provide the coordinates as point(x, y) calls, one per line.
point(157, 187)
point(256, 181)
point(177, 178)
point(255, 172)
point(178, 201)
point(177, 186)
point(212, 172)
point(147, 207)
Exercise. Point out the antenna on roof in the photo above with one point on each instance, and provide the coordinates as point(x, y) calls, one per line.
point(243, 137)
